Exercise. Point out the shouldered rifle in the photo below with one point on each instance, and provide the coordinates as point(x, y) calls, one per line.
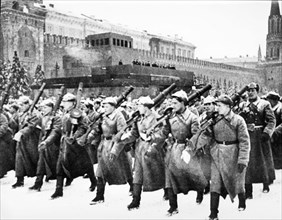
point(36, 99)
point(198, 94)
point(5, 96)
point(213, 119)
point(58, 101)
point(136, 115)
point(169, 110)
point(120, 100)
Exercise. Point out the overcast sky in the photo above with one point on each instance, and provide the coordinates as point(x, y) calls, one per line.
point(216, 28)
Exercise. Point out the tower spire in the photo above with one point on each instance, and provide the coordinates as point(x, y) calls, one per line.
point(275, 10)
point(259, 54)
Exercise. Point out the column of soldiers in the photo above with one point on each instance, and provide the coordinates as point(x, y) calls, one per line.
point(174, 148)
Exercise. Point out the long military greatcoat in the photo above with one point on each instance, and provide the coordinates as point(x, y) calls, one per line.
point(182, 177)
point(261, 165)
point(73, 159)
point(276, 143)
point(7, 151)
point(51, 134)
point(118, 171)
point(27, 148)
point(225, 157)
point(149, 166)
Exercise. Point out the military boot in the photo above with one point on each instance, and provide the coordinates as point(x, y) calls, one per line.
point(130, 182)
point(172, 203)
point(38, 183)
point(100, 192)
point(68, 181)
point(249, 191)
point(242, 202)
point(165, 196)
point(19, 183)
point(200, 196)
point(59, 188)
point(93, 180)
point(137, 188)
point(214, 202)
point(265, 188)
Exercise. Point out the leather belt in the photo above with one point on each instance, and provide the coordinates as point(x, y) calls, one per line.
point(226, 142)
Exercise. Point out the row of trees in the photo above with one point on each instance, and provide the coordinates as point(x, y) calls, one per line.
point(14, 73)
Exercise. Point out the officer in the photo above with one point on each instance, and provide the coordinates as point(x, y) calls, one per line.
point(261, 122)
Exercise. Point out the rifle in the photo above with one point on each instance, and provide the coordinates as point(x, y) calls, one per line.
point(120, 99)
point(136, 115)
point(169, 110)
point(5, 96)
point(213, 119)
point(58, 101)
point(30, 110)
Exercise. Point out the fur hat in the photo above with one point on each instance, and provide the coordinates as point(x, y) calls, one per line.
point(209, 99)
point(225, 99)
point(69, 97)
point(181, 95)
point(146, 101)
point(273, 96)
point(110, 100)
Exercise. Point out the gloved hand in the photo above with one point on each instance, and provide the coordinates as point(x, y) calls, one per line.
point(17, 136)
point(185, 156)
point(112, 157)
point(240, 167)
point(42, 146)
point(264, 137)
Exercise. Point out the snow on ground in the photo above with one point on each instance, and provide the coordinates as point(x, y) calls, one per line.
point(22, 203)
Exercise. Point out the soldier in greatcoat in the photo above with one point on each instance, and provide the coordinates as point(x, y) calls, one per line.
point(229, 149)
point(73, 160)
point(49, 144)
point(27, 139)
point(181, 177)
point(149, 167)
point(276, 141)
point(261, 122)
point(113, 161)
point(7, 156)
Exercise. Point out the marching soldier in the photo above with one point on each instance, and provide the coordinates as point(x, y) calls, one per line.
point(229, 149)
point(181, 177)
point(260, 121)
point(27, 141)
point(149, 157)
point(73, 159)
point(49, 145)
point(276, 141)
point(113, 162)
point(6, 156)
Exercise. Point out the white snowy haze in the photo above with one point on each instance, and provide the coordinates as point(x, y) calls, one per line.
point(22, 203)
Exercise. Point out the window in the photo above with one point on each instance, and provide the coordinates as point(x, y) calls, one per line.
point(118, 42)
point(97, 42)
point(101, 42)
point(162, 49)
point(26, 53)
point(107, 41)
point(35, 23)
point(114, 41)
point(125, 43)
point(130, 44)
point(54, 38)
point(184, 53)
point(92, 43)
point(278, 51)
point(60, 39)
point(121, 43)
point(271, 52)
